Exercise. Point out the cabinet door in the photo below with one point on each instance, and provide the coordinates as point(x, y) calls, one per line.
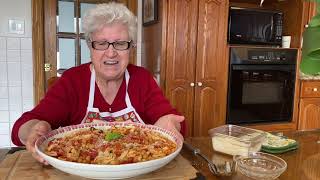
point(309, 10)
point(312, 10)
point(181, 55)
point(309, 113)
point(211, 69)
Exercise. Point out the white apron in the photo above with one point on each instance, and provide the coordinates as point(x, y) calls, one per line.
point(94, 115)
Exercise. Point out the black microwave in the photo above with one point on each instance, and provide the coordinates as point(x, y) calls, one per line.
point(254, 26)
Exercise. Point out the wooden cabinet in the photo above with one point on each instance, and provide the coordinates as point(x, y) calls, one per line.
point(309, 110)
point(196, 61)
point(309, 105)
point(310, 11)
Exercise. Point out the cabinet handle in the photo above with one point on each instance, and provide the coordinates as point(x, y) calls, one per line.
point(307, 25)
point(192, 84)
point(315, 89)
point(199, 84)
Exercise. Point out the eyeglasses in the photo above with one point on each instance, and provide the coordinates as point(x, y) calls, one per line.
point(118, 45)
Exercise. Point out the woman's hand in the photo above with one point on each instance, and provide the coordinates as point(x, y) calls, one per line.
point(171, 122)
point(35, 130)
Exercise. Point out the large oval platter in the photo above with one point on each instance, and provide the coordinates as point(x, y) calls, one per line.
point(97, 171)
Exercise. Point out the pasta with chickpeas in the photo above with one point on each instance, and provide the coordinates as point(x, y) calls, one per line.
point(112, 146)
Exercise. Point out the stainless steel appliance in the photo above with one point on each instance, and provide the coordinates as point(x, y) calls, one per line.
point(261, 85)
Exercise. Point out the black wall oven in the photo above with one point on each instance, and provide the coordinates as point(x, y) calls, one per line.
point(261, 85)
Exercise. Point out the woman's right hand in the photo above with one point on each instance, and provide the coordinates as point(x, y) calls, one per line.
point(37, 130)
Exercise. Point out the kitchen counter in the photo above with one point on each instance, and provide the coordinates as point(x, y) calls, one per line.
point(303, 163)
point(3, 153)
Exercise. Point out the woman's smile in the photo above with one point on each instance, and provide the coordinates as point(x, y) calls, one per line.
point(110, 62)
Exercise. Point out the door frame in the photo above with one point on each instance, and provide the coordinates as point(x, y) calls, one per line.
point(37, 7)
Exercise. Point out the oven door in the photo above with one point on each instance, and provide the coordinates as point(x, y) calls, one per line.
point(260, 93)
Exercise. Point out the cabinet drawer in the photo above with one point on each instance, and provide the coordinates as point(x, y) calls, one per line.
point(310, 89)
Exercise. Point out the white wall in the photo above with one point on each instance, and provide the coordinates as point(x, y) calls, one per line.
point(16, 74)
point(15, 9)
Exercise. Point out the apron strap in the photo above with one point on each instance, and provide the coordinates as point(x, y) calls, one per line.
point(92, 88)
point(127, 98)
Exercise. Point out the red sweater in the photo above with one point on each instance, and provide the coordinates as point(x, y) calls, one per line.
point(66, 101)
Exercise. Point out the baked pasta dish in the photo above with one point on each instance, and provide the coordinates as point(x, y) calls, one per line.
point(116, 145)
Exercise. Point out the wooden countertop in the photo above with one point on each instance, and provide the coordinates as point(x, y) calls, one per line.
point(3, 153)
point(303, 163)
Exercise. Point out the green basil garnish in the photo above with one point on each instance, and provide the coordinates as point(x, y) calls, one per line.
point(112, 136)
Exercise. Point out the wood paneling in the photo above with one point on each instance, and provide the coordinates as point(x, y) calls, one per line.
point(295, 116)
point(312, 9)
point(38, 48)
point(292, 20)
point(181, 56)
point(309, 103)
point(310, 89)
point(309, 110)
point(151, 38)
point(163, 62)
point(309, 113)
point(196, 61)
point(50, 29)
point(211, 66)
point(133, 6)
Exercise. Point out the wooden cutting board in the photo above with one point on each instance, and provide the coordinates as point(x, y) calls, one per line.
point(21, 165)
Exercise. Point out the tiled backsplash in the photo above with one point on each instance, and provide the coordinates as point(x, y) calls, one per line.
point(16, 83)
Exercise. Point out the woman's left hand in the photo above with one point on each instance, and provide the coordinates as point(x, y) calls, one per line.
point(171, 122)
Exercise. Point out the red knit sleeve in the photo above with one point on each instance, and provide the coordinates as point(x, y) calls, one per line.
point(53, 108)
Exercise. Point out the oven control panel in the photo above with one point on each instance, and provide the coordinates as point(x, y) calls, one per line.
point(266, 56)
point(245, 55)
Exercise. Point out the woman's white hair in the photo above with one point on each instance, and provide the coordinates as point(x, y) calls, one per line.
point(105, 14)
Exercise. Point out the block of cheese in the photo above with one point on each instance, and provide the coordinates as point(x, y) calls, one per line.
point(236, 140)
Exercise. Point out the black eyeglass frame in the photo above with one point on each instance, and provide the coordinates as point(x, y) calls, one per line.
point(129, 44)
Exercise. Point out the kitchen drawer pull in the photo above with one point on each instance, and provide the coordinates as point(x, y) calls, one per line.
point(192, 84)
point(315, 89)
point(200, 84)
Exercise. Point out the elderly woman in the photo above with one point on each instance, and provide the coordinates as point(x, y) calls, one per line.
point(107, 89)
